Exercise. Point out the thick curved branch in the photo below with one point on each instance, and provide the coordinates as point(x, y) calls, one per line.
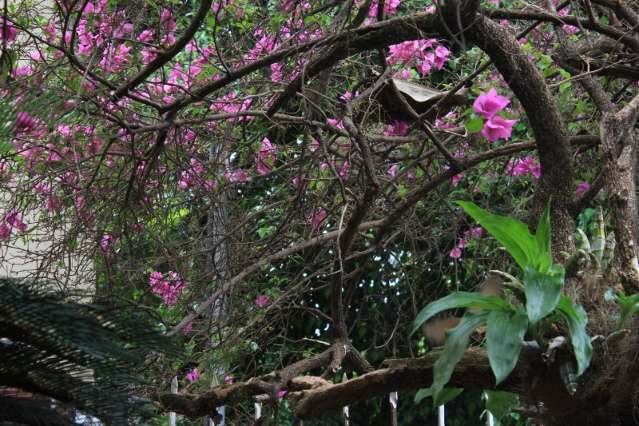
point(472, 370)
point(345, 44)
point(523, 77)
point(207, 403)
point(618, 141)
point(598, 27)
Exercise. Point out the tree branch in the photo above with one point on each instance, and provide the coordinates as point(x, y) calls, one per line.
point(165, 56)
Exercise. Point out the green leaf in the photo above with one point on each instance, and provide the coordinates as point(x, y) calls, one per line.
point(543, 290)
point(577, 319)
point(511, 233)
point(445, 396)
point(500, 403)
point(628, 305)
point(543, 259)
point(456, 344)
point(504, 338)
point(459, 299)
point(5, 147)
point(474, 125)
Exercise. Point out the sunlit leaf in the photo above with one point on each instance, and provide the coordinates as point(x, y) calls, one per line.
point(511, 233)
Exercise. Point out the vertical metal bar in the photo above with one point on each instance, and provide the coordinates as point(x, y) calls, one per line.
point(441, 416)
point(345, 411)
point(491, 419)
point(393, 398)
point(258, 410)
point(174, 389)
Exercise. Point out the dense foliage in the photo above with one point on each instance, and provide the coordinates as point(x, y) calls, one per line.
point(279, 183)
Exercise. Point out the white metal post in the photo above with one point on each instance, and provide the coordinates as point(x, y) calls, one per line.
point(441, 416)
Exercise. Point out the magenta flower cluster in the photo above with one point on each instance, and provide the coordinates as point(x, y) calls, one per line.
point(265, 158)
point(524, 167)
point(168, 286)
point(488, 105)
point(193, 375)
point(424, 55)
point(475, 232)
point(12, 221)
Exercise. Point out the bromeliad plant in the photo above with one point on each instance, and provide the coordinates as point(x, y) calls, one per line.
point(507, 323)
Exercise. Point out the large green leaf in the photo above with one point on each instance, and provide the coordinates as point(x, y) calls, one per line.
point(543, 258)
point(504, 339)
point(543, 290)
point(577, 319)
point(500, 403)
point(459, 299)
point(511, 233)
point(456, 344)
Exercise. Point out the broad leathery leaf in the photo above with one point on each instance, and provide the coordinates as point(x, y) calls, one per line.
point(504, 337)
point(543, 290)
point(577, 319)
point(456, 344)
point(460, 299)
point(543, 258)
point(513, 234)
point(446, 395)
point(500, 403)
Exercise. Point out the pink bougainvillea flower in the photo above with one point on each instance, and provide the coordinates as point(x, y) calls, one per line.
point(187, 328)
point(23, 71)
point(262, 300)
point(25, 122)
point(193, 375)
point(498, 128)
point(455, 253)
point(335, 123)
point(490, 103)
point(168, 286)
point(281, 393)
point(346, 96)
point(14, 220)
point(392, 170)
point(265, 157)
point(343, 169)
point(397, 128)
point(476, 232)
point(441, 56)
point(5, 231)
point(106, 242)
point(239, 175)
point(317, 218)
point(582, 188)
point(146, 36)
point(8, 31)
point(524, 166)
